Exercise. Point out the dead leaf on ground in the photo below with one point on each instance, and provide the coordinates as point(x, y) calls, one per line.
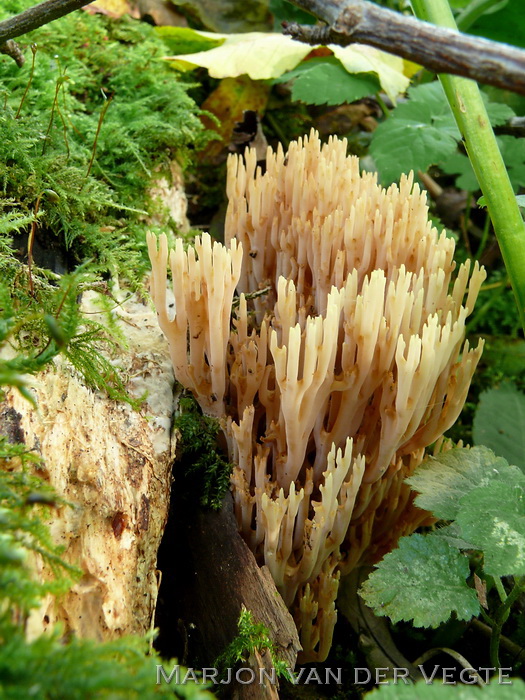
point(228, 15)
point(161, 13)
point(228, 102)
point(112, 8)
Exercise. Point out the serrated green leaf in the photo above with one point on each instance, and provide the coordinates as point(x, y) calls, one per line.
point(419, 133)
point(498, 112)
point(424, 580)
point(513, 152)
point(499, 422)
point(422, 132)
point(444, 480)
point(325, 81)
point(512, 689)
point(494, 518)
point(428, 104)
point(453, 535)
point(458, 164)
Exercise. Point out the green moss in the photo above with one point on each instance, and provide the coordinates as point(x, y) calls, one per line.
point(48, 668)
point(52, 117)
point(202, 461)
point(252, 636)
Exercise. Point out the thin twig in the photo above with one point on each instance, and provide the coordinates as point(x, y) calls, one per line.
point(37, 16)
point(511, 647)
point(462, 661)
point(439, 49)
point(11, 48)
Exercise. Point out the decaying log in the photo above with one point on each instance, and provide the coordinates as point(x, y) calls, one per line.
point(219, 576)
point(114, 465)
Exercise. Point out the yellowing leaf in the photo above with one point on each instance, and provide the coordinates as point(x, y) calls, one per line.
point(264, 56)
point(228, 102)
point(111, 8)
point(259, 55)
point(366, 59)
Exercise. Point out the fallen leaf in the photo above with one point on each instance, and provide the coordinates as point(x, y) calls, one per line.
point(263, 56)
point(227, 15)
point(258, 55)
point(160, 13)
point(111, 8)
point(228, 102)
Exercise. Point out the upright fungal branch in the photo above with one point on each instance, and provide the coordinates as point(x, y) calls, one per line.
point(330, 385)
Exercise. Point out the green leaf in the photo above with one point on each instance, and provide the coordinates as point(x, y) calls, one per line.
point(506, 25)
point(264, 56)
point(458, 164)
point(419, 133)
point(182, 40)
point(499, 423)
point(498, 112)
point(325, 81)
point(520, 198)
point(424, 580)
point(283, 10)
point(444, 480)
point(494, 518)
point(513, 152)
point(453, 535)
point(422, 132)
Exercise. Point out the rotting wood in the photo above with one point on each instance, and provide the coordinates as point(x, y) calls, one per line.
point(221, 576)
point(113, 465)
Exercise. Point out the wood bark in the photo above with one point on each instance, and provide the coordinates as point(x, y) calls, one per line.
point(113, 465)
point(37, 16)
point(438, 49)
point(216, 576)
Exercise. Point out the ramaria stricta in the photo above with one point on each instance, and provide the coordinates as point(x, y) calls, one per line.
point(329, 384)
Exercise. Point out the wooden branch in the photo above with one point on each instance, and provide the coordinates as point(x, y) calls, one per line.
point(439, 49)
point(36, 16)
point(11, 48)
point(514, 127)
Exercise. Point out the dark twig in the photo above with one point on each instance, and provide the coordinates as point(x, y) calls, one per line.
point(36, 16)
point(439, 49)
point(11, 48)
point(514, 127)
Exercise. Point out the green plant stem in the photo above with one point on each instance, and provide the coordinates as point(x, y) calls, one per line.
point(501, 616)
point(382, 104)
point(500, 588)
point(471, 116)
